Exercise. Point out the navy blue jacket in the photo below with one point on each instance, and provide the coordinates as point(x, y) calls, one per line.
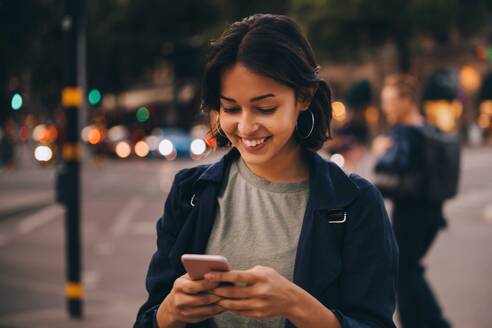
point(346, 257)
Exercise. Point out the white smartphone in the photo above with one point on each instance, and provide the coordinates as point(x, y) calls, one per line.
point(198, 264)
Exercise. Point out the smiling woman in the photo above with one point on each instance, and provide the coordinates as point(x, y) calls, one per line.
point(309, 246)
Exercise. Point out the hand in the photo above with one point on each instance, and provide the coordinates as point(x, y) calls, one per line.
point(260, 292)
point(188, 302)
point(380, 145)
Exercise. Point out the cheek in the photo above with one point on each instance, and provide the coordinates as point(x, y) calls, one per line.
point(227, 124)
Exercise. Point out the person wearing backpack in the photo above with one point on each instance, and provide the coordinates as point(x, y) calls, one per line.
point(307, 244)
point(404, 172)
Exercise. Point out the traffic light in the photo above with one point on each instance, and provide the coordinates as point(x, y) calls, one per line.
point(16, 101)
point(142, 114)
point(94, 97)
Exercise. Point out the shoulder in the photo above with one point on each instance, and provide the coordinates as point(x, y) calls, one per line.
point(369, 196)
point(186, 178)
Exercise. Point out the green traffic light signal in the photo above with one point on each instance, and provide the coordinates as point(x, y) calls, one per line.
point(142, 114)
point(94, 97)
point(17, 101)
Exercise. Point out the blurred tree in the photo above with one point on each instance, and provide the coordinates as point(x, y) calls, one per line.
point(340, 29)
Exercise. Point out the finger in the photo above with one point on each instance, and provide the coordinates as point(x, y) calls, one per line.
point(201, 311)
point(183, 300)
point(195, 287)
point(241, 304)
point(236, 292)
point(247, 277)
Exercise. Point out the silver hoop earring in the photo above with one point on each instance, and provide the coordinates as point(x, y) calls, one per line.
point(312, 127)
point(219, 129)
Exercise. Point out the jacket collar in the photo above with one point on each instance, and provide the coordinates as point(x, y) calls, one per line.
point(330, 186)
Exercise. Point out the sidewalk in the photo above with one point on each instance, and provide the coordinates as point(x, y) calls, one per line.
point(18, 201)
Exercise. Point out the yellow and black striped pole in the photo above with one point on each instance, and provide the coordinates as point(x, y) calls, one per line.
point(71, 152)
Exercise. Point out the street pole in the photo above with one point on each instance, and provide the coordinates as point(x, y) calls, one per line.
point(72, 99)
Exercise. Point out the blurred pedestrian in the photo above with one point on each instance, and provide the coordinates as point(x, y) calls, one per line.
point(309, 245)
point(7, 145)
point(416, 218)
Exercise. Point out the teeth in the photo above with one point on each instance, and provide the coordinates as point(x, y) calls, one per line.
point(252, 143)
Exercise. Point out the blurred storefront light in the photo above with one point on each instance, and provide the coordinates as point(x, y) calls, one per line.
point(470, 78)
point(95, 136)
point(43, 153)
point(152, 142)
point(141, 149)
point(339, 111)
point(338, 159)
point(444, 114)
point(38, 132)
point(84, 134)
point(123, 149)
point(117, 132)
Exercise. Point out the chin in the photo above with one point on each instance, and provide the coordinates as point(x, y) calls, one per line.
point(255, 159)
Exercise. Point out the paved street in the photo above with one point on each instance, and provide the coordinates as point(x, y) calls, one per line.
point(121, 202)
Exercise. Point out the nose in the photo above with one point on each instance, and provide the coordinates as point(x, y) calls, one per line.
point(247, 124)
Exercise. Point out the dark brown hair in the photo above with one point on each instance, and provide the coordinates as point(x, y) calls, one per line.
point(274, 46)
point(405, 84)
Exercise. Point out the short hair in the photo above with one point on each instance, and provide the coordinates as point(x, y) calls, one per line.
point(273, 46)
point(405, 84)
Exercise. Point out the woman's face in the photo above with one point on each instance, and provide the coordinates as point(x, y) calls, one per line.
point(258, 116)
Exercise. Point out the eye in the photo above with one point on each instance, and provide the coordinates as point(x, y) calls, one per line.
point(231, 110)
point(268, 110)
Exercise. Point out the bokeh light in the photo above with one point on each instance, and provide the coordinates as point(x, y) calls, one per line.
point(152, 142)
point(94, 97)
point(198, 147)
point(141, 149)
point(94, 137)
point(338, 159)
point(43, 153)
point(123, 149)
point(339, 111)
point(166, 147)
point(17, 101)
point(142, 114)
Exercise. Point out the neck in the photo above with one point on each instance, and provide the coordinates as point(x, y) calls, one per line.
point(284, 168)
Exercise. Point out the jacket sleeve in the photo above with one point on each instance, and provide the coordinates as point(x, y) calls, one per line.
point(370, 264)
point(161, 275)
point(397, 158)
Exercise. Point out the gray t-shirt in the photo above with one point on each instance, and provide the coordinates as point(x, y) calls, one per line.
point(258, 223)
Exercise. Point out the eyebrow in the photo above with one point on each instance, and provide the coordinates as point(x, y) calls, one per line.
point(268, 95)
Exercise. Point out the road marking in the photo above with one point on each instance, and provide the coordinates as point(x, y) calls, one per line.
point(33, 222)
point(125, 216)
point(40, 218)
point(31, 285)
point(91, 279)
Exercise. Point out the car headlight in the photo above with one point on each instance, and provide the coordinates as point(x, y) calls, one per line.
point(166, 147)
point(198, 147)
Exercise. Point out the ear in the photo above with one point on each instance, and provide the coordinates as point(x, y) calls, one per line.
point(304, 100)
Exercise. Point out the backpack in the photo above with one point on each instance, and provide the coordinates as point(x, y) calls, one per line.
point(442, 155)
point(438, 178)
